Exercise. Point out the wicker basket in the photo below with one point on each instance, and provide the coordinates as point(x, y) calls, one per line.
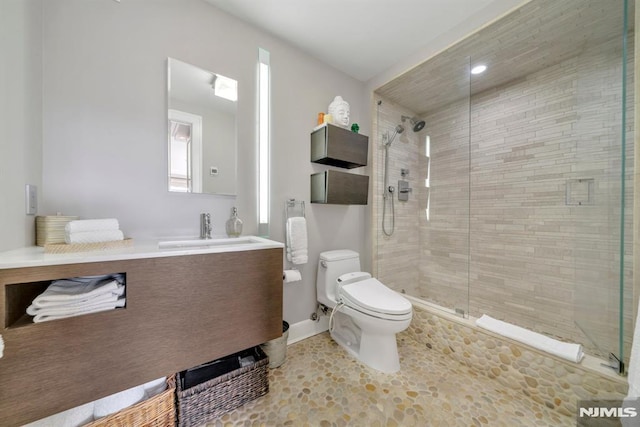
point(213, 398)
point(157, 411)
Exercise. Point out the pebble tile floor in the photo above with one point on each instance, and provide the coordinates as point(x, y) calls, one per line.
point(321, 385)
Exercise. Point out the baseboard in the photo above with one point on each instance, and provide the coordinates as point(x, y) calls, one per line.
point(307, 328)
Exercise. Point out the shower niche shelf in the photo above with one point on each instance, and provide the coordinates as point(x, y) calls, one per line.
point(335, 146)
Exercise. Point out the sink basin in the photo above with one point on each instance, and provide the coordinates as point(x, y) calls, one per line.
point(211, 243)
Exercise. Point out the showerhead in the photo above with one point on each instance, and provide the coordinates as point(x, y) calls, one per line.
point(399, 129)
point(417, 124)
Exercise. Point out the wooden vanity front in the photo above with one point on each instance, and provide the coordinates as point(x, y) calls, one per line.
point(180, 311)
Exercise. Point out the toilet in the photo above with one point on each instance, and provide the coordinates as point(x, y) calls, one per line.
point(366, 314)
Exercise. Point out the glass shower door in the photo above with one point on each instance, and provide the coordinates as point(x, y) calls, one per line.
point(599, 190)
point(444, 174)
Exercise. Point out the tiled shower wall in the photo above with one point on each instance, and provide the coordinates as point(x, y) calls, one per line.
point(524, 201)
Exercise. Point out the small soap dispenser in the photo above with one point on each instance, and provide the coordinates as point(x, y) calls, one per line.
point(234, 224)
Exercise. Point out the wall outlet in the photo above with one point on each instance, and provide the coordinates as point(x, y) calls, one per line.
point(31, 199)
point(213, 170)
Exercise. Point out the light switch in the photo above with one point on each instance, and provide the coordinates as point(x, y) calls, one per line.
point(31, 199)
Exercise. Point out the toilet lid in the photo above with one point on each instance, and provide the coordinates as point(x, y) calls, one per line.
point(373, 295)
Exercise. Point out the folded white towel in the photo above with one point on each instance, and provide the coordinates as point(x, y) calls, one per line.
point(155, 387)
point(100, 300)
point(1, 347)
point(296, 238)
point(569, 351)
point(47, 316)
point(118, 401)
point(80, 225)
point(70, 290)
point(93, 236)
point(73, 417)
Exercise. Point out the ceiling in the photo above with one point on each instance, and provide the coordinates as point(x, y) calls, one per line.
point(362, 38)
point(536, 36)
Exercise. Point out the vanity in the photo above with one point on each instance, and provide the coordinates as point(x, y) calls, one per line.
point(187, 302)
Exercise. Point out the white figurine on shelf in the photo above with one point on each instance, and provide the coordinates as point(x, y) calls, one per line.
point(339, 110)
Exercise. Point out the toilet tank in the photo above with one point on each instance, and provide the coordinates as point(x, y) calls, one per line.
point(331, 265)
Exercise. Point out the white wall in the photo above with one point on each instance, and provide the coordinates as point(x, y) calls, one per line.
point(20, 117)
point(105, 122)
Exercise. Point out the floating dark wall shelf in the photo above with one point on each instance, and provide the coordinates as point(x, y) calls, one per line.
point(339, 188)
point(336, 146)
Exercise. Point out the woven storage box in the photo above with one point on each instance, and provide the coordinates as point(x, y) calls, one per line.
point(213, 398)
point(50, 229)
point(157, 411)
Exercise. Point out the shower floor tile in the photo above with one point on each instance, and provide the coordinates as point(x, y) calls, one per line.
point(321, 385)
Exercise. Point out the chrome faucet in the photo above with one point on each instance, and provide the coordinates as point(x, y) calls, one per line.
point(205, 226)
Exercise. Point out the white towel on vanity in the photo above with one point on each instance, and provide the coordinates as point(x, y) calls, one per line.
point(296, 237)
point(97, 236)
point(81, 225)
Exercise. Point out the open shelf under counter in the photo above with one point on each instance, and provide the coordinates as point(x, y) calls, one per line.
point(183, 309)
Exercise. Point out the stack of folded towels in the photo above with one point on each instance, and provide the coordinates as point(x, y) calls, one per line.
point(92, 231)
point(78, 296)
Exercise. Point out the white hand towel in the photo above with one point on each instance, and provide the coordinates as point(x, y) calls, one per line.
point(73, 417)
point(93, 236)
point(91, 225)
point(45, 317)
point(1, 347)
point(569, 351)
point(62, 291)
point(297, 240)
point(118, 401)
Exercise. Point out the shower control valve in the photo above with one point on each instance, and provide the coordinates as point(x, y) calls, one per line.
point(391, 189)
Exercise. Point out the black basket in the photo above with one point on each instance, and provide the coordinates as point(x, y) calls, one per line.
point(211, 390)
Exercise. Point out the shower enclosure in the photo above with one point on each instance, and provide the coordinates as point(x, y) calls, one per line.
point(522, 177)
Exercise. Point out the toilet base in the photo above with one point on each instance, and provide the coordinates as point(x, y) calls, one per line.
point(378, 351)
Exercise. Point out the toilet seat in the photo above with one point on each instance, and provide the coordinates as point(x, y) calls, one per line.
point(375, 299)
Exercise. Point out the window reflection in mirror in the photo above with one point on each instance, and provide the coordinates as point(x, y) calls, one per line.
point(201, 130)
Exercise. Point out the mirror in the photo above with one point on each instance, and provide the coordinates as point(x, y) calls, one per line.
point(201, 130)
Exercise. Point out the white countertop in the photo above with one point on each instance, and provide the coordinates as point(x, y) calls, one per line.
point(34, 256)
